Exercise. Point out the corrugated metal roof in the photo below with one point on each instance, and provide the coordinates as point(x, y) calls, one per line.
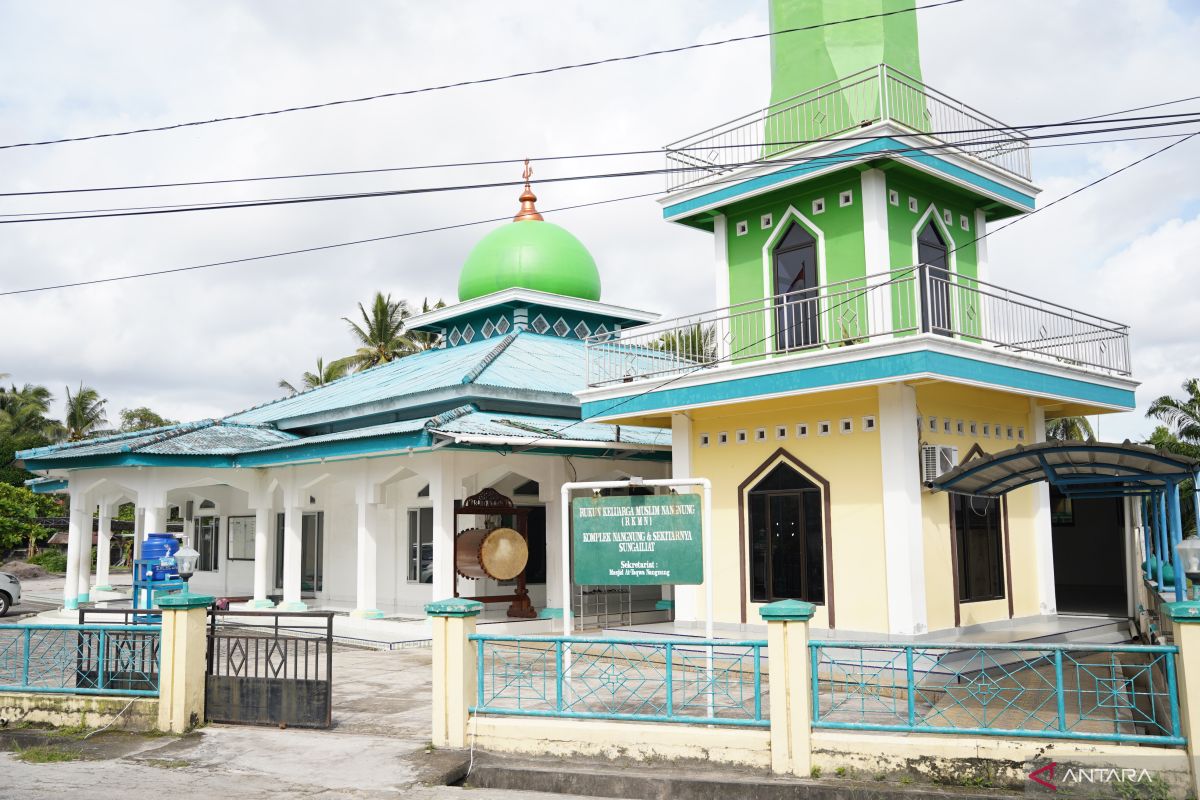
point(545, 430)
point(1071, 466)
point(529, 362)
point(206, 437)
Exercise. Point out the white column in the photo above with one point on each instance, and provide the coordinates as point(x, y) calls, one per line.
point(367, 573)
point(75, 530)
point(264, 527)
point(903, 528)
point(292, 544)
point(1042, 535)
point(721, 285)
point(103, 546)
point(83, 594)
point(550, 493)
point(443, 491)
point(688, 599)
point(139, 533)
point(877, 250)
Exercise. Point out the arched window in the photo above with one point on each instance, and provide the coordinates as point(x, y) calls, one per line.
point(796, 311)
point(787, 541)
point(935, 303)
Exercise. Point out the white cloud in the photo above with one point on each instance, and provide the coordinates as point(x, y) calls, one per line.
point(208, 342)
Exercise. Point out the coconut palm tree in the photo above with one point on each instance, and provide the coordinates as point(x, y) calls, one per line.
point(1069, 429)
point(326, 373)
point(694, 343)
point(23, 413)
point(1182, 417)
point(423, 340)
point(84, 413)
point(381, 336)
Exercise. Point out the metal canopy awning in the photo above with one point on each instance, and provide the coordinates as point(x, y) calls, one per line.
point(1074, 468)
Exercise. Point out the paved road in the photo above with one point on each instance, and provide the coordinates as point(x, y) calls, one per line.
point(377, 748)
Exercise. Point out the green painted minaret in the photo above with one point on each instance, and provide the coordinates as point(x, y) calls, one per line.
point(806, 59)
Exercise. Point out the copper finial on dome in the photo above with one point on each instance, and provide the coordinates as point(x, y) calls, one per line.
point(528, 198)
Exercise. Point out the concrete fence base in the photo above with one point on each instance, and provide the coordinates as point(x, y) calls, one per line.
point(79, 711)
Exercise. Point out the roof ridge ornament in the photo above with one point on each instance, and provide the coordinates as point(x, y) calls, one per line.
point(528, 199)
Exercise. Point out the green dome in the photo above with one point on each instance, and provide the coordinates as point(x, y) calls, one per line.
point(530, 254)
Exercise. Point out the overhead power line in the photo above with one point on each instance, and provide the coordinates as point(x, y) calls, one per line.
point(474, 81)
point(571, 157)
point(336, 245)
point(832, 158)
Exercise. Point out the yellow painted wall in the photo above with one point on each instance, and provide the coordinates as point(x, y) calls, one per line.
point(1007, 421)
point(850, 462)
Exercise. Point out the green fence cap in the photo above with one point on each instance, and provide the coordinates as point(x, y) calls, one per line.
point(454, 607)
point(1184, 611)
point(787, 611)
point(184, 600)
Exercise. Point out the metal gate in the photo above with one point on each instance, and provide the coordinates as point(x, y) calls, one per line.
point(270, 668)
point(264, 667)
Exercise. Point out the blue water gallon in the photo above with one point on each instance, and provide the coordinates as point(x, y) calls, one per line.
point(161, 546)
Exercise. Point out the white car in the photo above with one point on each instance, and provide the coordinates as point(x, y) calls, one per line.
point(10, 592)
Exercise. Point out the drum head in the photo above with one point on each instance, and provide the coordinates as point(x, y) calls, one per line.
point(503, 554)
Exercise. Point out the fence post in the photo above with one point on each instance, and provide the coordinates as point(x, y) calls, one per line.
point(790, 684)
point(454, 668)
point(183, 655)
point(1186, 618)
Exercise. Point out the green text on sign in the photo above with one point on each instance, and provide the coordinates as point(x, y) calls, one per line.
point(652, 539)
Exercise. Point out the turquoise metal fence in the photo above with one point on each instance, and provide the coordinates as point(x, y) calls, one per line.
point(1120, 693)
point(80, 659)
point(651, 680)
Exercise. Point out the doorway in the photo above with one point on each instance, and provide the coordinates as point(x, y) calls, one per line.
point(796, 296)
point(935, 299)
point(312, 552)
point(1089, 554)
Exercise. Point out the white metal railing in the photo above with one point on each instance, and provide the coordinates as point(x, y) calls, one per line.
point(880, 93)
point(905, 301)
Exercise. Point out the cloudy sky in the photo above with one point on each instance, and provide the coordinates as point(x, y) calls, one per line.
point(209, 342)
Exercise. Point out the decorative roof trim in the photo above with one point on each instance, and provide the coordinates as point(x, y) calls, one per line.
point(488, 358)
point(529, 297)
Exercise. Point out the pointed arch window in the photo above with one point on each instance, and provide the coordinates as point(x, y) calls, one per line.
point(796, 298)
point(787, 550)
point(933, 252)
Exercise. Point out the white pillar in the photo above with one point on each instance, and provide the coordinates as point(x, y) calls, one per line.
point(877, 250)
point(721, 284)
point(550, 493)
point(103, 547)
point(139, 533)
point(903, 528)
point(443, 491)
point(367, 573)
point(75, 530)
point(688, 605)
point(83, 594)
point(292, 544)
point(981, 246)
point(264, 518)
point(1042, 535)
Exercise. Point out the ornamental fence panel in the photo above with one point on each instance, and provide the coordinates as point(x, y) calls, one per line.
point(80, 659)
point(1119, 693)
point(650, 680)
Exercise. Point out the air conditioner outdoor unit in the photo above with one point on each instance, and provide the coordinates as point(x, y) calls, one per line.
point(937, 460)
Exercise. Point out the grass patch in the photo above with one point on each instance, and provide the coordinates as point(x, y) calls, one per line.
point(167, 763)
point(45, 754)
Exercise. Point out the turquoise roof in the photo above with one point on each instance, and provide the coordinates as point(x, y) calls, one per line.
point(220, 444)
point(524, 361)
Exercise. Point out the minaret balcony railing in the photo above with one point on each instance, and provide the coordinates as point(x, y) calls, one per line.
point(780, 132)
point(905, 302)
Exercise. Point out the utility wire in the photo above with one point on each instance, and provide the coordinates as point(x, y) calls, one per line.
point(335, 245)
point(832, 158)
point(576, 156)
point(476, 81)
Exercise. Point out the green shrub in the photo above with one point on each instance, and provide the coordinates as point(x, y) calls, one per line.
point(51, 560)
